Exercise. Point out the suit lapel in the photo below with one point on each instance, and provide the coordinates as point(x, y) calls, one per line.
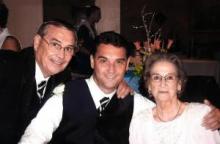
point(113, 126)
point(112, 105)
point(117, 106)
point(28, 86)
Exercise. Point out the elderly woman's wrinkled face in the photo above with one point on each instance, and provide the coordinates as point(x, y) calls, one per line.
point(164, 83)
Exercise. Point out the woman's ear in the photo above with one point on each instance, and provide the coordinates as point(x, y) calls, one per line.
point(179, 86)
point(147, 85)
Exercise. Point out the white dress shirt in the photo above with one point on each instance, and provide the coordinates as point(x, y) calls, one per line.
point(96, 92)
point(41, 128)
point(184, 129)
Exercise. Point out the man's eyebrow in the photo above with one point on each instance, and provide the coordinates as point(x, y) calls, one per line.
point(102, 57)
point(54, 39)
point(122, 59)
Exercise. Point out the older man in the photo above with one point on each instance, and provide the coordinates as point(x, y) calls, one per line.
point(27, 78)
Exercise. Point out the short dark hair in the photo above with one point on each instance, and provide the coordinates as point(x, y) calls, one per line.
point(58, 23)
point(3, 15)
point(115, 39)
point(172, 58)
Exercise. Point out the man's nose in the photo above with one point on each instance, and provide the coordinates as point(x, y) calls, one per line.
point(111, 67)
point(61, 53)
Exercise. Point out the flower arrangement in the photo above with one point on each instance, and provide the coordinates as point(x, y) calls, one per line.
point(153, 42)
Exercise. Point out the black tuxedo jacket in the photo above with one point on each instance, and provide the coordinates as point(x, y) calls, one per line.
point(19, 101)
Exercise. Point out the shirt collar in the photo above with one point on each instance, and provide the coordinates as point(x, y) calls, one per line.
point(39, 75)
point(96, 92)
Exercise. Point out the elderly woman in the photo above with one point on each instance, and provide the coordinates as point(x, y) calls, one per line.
point(171, 121)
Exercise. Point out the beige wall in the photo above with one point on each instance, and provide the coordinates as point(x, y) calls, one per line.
point(25, 16)
point(110, 15)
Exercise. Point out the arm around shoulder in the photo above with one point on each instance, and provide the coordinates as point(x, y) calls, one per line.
point(201, 133)
point(141, 103)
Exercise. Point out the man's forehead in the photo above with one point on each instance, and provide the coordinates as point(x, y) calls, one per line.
point(111, 53)
point(52, 29)
point(55, 27)
point(110, 47)
point(60, 34)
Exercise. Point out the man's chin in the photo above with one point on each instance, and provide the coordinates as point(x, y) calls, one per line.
point(56, 72)
point(112, 87)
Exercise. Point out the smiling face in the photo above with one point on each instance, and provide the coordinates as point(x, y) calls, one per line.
point(110, 64)
point(164, 83)
point(50, 60)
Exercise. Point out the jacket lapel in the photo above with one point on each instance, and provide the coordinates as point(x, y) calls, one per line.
point(117, 106)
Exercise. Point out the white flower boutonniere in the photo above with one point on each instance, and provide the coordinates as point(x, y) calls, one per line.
point(59, 90)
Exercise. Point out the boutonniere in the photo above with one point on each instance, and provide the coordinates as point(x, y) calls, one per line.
point(59, 89)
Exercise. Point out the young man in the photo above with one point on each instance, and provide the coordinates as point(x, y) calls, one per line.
point(76, 114)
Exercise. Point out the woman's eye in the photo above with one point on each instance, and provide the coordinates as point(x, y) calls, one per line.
point(170, 78)
point(156, 77)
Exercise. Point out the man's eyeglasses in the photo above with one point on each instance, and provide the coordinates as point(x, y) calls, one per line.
point(157, 78)
point(57, 46)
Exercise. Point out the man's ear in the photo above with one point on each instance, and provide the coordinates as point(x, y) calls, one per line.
point(92, 61)
point(37, 39)
point(128, 61)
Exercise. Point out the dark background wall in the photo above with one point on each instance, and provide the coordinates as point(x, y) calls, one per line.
point(187, 18)
point(196, 23)
point(62, 9)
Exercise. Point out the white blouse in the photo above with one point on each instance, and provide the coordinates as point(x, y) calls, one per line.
point(185, 129)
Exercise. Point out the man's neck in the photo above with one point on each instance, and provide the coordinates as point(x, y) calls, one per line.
point(39, 76)
point(106, 91)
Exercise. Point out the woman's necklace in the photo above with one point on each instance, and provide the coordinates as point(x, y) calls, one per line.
point(175, 116)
